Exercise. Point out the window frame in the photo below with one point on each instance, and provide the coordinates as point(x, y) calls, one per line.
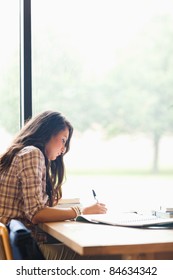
point(25, 62)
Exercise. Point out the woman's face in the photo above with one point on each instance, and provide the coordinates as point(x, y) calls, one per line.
point(56, 145)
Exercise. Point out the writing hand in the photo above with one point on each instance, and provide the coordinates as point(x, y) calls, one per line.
point(97, 208)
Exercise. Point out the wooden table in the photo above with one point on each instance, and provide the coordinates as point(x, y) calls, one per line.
point(131, 243)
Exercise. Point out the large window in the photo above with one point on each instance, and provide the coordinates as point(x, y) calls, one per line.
point(107, 65)
point(9, 71)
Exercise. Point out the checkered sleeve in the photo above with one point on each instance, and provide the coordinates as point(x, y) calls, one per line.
point(33, 182)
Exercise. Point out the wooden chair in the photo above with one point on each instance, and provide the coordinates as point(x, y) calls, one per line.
point(5, 247)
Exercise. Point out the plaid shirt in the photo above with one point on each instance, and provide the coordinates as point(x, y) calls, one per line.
point(23, 187)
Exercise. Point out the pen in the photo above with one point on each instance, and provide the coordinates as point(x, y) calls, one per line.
point(95, 197)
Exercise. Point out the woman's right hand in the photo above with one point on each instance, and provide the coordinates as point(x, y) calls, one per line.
point(97, 208)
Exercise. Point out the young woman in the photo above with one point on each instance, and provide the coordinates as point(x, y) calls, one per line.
point(31, 176)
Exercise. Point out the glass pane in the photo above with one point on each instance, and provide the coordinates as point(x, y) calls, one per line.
point(9, 71)
point(107, 65)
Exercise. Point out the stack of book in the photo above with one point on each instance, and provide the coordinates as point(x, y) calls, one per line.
point(68, 202)
point(164, 212)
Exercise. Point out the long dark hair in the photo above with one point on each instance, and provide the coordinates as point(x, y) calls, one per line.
point(37, 132)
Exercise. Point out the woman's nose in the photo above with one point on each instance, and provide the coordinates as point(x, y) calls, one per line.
point(63, 150)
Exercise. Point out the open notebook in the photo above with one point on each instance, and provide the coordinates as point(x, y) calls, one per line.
point(127, 220)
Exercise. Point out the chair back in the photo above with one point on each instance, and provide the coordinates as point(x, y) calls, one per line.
point(5, 246)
